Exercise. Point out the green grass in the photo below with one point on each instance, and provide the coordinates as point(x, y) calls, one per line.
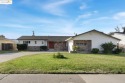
point(75, 63)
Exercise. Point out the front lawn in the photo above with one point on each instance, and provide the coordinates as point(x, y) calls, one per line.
point(74, 63)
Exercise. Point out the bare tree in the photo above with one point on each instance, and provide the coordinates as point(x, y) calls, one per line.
point(75, 34)
point(117, 29)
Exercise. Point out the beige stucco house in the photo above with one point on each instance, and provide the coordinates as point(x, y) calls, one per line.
point(91, 39)
point(6, 44)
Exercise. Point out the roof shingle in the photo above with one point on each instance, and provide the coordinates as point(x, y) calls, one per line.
point(49, 38)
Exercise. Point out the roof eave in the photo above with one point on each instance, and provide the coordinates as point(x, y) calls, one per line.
point(69, 39)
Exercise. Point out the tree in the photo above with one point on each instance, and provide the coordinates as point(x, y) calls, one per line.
point(117, 29)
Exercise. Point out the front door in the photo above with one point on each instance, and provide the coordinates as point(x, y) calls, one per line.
point(51, 45)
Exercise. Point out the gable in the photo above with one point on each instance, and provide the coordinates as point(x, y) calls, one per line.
point(93, 34)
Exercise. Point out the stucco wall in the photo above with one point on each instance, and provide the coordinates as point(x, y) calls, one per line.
point(96, 38)
point(70, 44)
point(122, 42)
point(120, 36)
point(32, 42)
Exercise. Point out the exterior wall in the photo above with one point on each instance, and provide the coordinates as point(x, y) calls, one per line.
point(120, 36)
point(70, 44)
point(14, 40)
point(32, 42)
point(60, 46)
point(36, 47)
point(32, 46)
point(96, 38)
point(122, 42)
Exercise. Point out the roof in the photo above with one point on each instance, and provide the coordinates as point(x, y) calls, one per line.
point(112, 33)
point(92, 31)
point(2, 37)
point(49, 38)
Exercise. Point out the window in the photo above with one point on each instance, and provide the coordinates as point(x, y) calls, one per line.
point(26, 42)
point(81, 44)
point(35, 42)
point(42, 42)
point(85, 44)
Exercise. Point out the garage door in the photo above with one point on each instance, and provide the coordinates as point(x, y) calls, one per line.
point(7, 46)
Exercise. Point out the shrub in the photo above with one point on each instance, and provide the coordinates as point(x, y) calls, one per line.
point(73, 52)
point(75, 48)
point(117, 51)
point(43, 48)
point(95, 50)
point(108, 47)
point(58, 55)
point(22, 46)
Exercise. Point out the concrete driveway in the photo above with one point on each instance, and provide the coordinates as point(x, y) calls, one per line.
point(9, 56)
point(62, 78)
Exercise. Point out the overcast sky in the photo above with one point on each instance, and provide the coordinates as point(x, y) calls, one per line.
point(60, 17)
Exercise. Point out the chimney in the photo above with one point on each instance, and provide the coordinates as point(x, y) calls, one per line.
point(33, 34)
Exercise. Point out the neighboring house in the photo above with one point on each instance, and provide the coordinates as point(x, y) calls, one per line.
point(91, 39)
point(52, 42)
point(120, 35)
point(6, 44)
point(14, 40)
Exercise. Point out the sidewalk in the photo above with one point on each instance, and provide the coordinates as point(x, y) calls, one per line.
point(41, 78)
point(62, 78)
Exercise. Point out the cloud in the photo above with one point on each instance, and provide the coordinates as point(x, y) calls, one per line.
point(119, 16)
point(55, 8)
point(16, 26)
point(95, 11)
point(83, 6)
point(99, 18)
point(86, 15)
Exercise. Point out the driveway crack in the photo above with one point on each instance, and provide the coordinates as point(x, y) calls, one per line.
point(4, 77)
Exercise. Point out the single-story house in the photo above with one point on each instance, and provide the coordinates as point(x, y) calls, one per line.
point(52, 42)
point(91, 39)
point(7, 44)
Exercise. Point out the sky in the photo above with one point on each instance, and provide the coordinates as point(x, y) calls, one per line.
point(60, 17)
